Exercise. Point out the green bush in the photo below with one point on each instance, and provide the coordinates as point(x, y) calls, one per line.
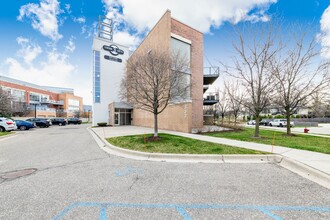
point(102, 124)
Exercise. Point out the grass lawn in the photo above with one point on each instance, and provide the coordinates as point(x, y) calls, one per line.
point(4, 133)
point(176, 145)
point(305, 142)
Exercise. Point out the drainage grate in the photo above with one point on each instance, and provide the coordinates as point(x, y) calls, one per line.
point(17, 173)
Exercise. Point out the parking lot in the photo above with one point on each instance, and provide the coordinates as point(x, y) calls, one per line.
point(75, 179)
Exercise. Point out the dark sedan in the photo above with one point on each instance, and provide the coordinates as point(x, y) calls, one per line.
point(24, 125)
point(59, 121)
point(75, 121)
point(39, 122)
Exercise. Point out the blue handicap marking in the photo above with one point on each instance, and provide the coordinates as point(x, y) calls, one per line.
point(128, 171)
point(182, 209)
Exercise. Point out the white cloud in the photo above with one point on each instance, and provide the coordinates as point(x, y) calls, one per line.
point(125, 38)
point(80, 20)
point(142, 15)
point(43, 17)
point(88, 31)
point(28, 51)
point(68, 8)
point(55, 70)
point(202, 17)
point(70, 47)
point(324, 37)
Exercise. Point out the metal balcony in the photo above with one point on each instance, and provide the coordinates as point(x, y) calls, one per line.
point(210, 75)
point(52, 102)
point(211, 99)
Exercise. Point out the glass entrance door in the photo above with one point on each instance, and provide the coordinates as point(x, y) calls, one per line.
point(117, 116)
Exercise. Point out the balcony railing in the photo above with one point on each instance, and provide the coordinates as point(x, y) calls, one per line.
point(49, 101)
point(210, 75)
point(211, 71)
point(44, 109)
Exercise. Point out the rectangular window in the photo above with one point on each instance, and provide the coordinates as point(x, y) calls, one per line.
point(181, 93)
point(97, 77)
point(181, 48)
point(34, 97)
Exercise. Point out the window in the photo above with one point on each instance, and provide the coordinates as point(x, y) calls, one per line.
point(97, 77)
point(18, 95)
point(74, 105)
point(34, 97)
point(182, 91)
point(182, 48)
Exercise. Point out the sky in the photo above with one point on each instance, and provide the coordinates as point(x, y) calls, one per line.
point(49, 42)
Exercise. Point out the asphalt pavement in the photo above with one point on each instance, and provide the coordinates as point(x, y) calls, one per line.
point(75, 179)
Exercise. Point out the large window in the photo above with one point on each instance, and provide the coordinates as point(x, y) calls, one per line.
point(183, 49)
point(97, 77)
point(34, 97)
point(18, 95)
point(74, 105)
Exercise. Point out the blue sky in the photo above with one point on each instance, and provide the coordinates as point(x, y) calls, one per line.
point(48, 42)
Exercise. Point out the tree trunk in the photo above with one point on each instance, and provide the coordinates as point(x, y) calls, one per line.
point(222, 118)
point(155, 125)
point(288, 127)
point(256, 132)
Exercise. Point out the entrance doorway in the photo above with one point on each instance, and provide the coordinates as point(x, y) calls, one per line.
point(116, 118)
point(123, 116)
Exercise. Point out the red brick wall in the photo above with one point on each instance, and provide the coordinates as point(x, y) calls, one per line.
point(52, 95)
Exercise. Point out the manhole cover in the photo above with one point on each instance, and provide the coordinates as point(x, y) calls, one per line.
point(17, 173)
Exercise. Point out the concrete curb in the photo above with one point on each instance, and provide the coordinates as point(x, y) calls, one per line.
point(299, 168)
point(306, 171)
point(183, 158)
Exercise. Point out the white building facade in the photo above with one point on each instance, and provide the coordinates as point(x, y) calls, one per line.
point(109, 61)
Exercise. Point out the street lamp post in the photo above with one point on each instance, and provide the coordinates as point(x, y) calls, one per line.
point(35, 110)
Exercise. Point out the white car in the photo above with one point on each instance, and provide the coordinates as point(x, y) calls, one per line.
point(280, 123)
point(7, 125)
point(251, 122)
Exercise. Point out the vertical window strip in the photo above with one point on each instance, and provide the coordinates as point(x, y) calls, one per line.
point(96, 78)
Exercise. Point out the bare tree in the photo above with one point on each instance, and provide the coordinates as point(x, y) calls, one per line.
point(297, 74)
point(5, 102)
point(223, 105)
point(153, 79)
point(318, 104)
point(255, 49)
point(19, 108)
point(77, 113)
point(235, 97)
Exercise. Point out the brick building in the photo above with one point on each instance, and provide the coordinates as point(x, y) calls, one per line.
point(43, 101)
point(169, 35)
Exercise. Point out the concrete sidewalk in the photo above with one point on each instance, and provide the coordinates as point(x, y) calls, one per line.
point(315, 160)
point(311, 165)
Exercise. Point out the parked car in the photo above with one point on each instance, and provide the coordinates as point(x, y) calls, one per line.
point(39, 122)
point(74, 121)
point(265, 121)
point(7, 124)
point(280, 123)
point(59, 121)
point(24, 125)
point(251, 122)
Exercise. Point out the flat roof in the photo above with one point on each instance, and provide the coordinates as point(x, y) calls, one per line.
point(31, 85)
